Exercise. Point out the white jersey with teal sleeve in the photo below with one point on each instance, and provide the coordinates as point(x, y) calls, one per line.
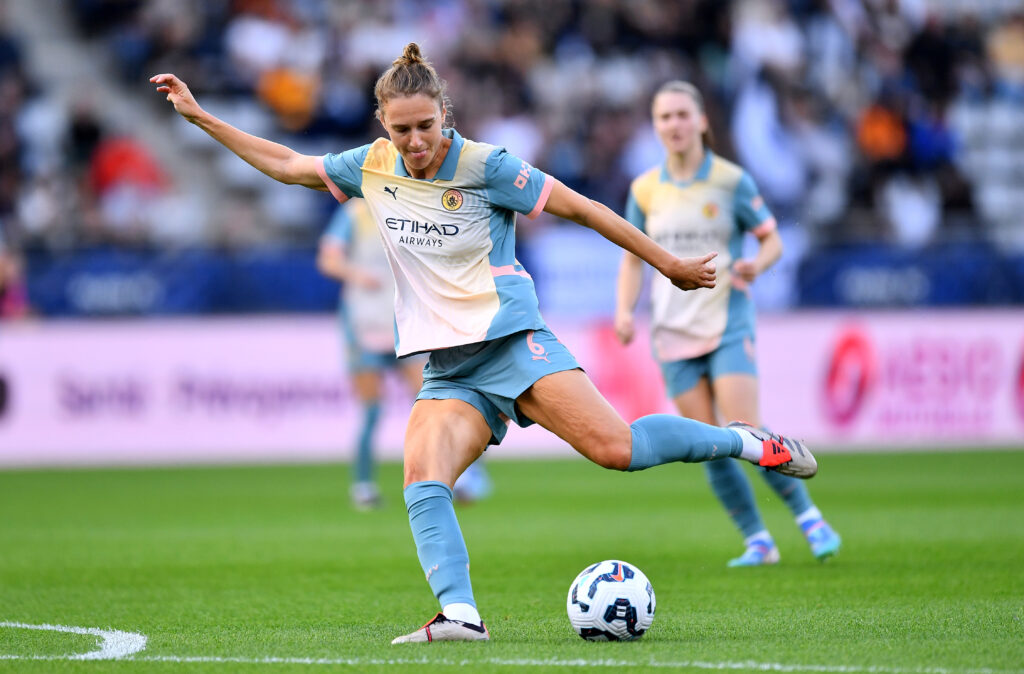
point(450, 240)
point(712, 212)
point(367, 311)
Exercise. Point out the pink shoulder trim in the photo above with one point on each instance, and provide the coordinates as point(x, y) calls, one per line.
point(322, 172)
point(545, 192)
point(508, 270)
point(766, 227)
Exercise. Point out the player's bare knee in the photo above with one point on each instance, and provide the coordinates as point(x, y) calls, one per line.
point(417, 463)
point(609, 451)
point(413, 472)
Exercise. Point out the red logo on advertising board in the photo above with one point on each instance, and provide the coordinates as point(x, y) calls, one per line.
point(851, 374)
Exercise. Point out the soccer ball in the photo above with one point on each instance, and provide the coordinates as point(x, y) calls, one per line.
point(611, 601)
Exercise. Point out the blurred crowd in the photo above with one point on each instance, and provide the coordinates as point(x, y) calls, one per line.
point(898, 121)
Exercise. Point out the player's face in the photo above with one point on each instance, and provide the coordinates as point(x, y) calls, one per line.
point(414, 125)
point(678, 121)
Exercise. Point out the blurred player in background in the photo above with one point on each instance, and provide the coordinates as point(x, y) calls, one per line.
point(705, 340)
point(13, 292)
point(445, 207)
point(351, 252)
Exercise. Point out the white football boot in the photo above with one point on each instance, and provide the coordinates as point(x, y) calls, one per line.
point(441, 628)
point(783, 455)
point(759, 552)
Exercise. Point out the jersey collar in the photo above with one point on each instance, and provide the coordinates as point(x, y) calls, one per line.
point(448, 166)
point(702, 173)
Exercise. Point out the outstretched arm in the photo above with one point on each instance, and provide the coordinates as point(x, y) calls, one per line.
point(685, 273)
point(277, 161)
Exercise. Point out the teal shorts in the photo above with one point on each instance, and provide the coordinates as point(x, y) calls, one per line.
point(735, 355)
point(491, 375)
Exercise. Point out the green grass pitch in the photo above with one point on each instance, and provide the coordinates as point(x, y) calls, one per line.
point(267, 569)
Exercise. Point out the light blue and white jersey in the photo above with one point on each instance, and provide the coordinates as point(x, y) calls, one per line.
point(712, 212)
point(367, 312)
point(450, 240)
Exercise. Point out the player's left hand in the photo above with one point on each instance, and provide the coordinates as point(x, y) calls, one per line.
point(624, 328)
point(690, 273)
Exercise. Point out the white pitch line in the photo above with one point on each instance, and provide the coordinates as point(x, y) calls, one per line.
point(581, 662)
point(115, 644)
point(119, 645)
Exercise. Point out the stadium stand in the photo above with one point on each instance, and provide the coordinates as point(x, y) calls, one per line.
point(889, 129)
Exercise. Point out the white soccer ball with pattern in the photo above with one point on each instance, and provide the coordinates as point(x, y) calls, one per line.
point(611, 601)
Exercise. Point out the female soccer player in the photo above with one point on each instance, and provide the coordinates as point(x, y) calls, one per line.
point(705, 340)
point(350, 252)
point(445, 207)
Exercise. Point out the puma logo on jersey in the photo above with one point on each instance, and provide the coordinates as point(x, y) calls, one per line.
point(392, 192)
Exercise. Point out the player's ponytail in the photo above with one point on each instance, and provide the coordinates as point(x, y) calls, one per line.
point(410, 55)
point(411, 74)
point(681, 87)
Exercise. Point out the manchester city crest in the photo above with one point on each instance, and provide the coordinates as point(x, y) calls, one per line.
point(451, 200)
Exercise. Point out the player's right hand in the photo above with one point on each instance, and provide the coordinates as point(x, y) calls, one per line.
point(690, 273)
point(178, 94)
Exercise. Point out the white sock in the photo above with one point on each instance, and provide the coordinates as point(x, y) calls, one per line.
point(465, 612)
point(753, 449)
point(811, 513)
point(760, 536)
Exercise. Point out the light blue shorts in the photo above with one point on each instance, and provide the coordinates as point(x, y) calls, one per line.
point(491, 375)
point(735, 355)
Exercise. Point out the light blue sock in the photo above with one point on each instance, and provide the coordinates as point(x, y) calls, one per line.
point(364, 450)
point(662, 438)
point(791, 490)
point(733, 489)
point(439, 543)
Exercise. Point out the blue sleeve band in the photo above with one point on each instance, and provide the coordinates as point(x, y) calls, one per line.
point(345, 169)
point(748, 205)
point(512, 183)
